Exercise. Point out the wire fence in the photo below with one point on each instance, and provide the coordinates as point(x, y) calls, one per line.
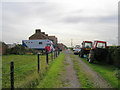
point(16, 75)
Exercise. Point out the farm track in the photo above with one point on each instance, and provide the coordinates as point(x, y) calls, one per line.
point(94, 77)
point(69, 79)
point(70, 75)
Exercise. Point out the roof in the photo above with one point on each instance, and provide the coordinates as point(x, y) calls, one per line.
point(101, 41)
point(88, 41)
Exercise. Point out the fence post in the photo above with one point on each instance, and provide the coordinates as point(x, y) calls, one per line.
point(38, 63)
point(12, 74)
point(52, 55)
point(56, 53)
point(47, 56)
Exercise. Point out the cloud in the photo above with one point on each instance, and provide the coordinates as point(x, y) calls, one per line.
point(82, 19)
point(79, 20)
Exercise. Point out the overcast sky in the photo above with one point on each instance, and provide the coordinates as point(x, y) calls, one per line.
point(66, 19)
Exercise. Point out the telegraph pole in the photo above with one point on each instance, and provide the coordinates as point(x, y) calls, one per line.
point(71, 42)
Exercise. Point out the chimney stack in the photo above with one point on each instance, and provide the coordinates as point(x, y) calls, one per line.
point(46, 34)
point(43, 33)
point(38, 31)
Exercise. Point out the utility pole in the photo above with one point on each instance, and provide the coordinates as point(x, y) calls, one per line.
point(71, 43)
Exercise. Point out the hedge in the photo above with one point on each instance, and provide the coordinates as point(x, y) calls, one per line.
point(114, 55)
point(19, 50)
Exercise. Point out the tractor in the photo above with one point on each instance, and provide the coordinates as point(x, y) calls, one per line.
point(98, 51)
point(86, 47)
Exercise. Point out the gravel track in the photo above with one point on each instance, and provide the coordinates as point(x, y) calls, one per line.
point(70, 77)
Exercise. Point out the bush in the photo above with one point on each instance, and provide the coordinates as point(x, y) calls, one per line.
point(19, 50)
point(114, 55)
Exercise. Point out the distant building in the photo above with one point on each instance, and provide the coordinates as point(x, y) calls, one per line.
point(3, 48)
point(11, 45)
point(38, 35)
point(41, 35)
point(54, 39)
point(61, 46)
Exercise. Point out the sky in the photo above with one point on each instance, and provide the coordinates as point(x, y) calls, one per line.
point(75, 20)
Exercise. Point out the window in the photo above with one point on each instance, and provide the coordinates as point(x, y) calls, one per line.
point(88, 45)
point(77, 46)
point(40, 42)
point(100, 45)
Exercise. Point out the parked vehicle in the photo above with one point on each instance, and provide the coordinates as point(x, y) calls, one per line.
point(76, 51)
point(73, 49)
point(38, 44)
point(86, 47)
point(76, 47)
point(98, 51)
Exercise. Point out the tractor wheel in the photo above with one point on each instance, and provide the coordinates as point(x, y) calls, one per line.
point(81, 55)
point(87, 57)
point(90, 60)
point(91, 57)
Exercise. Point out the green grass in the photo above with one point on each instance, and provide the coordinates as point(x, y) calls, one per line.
point(25, 66)
point(52, 76)
point(108, 72)
point(82, 76)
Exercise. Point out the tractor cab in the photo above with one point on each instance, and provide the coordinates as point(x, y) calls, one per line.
point(98, 51)
point(100, 44)
point(86, 47)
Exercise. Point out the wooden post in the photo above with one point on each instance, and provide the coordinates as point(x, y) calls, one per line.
point(47, 56)
point(12, 75)
point(38, 63)
point(52, 55)
point(56, 53)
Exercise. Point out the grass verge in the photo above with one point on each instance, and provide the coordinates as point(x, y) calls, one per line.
point(25, 70)
point(52, 76)
point(108, 72)
point(83, 78)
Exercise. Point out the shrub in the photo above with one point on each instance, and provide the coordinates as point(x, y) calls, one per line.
point(114, 55)
point(19, 50)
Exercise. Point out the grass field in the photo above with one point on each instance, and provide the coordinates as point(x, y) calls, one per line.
point(25, 70)
point(52, 78)
point(108, 72)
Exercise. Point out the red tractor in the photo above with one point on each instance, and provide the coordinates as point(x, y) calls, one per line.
point(98, 51)
point(86, 47)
